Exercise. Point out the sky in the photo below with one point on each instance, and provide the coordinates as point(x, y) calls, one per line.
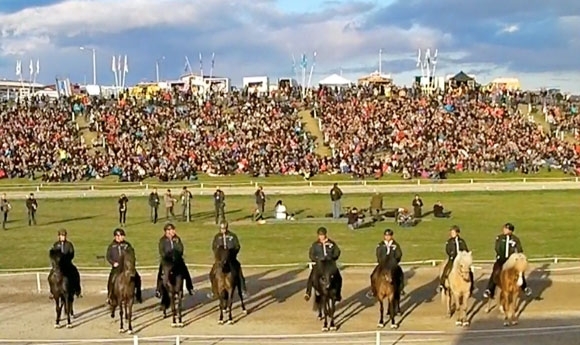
point(536, 41)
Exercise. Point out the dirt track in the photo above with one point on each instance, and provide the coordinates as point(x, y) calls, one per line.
point(276, 307)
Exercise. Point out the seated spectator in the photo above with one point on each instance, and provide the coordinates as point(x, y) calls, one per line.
point(354, 219)
point(404, 218)
point(439, 210)
point(280, 212)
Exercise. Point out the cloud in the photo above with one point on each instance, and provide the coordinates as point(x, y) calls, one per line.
point(260, 36)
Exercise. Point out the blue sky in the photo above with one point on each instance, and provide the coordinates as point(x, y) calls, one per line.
point(535, 40)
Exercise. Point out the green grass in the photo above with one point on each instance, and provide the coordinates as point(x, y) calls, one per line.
point(545, 221)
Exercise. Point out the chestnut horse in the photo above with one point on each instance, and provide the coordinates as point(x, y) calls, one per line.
point(510, 280)
point(225, 279)
point(458, 288)
point(385, 283)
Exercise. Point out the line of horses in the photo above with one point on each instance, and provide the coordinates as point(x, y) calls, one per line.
point(385, 285)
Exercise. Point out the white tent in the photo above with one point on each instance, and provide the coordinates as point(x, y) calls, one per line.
point(334, 80)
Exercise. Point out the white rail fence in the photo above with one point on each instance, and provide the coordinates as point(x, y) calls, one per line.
point(40, 273)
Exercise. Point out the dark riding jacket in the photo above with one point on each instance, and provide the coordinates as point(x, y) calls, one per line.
point(455, 245)
point(506, 245)
point(171, 247)
point(66, 248)
point(114, 251)
point(228, 240)
point(393, 248)
point(328, 250)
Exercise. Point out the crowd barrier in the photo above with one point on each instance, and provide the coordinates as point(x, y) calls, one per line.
point(41, 272)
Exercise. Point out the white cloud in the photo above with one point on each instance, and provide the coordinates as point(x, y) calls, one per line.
point(510, 29)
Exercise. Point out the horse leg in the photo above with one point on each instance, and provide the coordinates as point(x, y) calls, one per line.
point(515, 302)
point(121, 326)
point(381, 323)
point(58, 311)
point(463, 309)
point(241, 295)
point(230, 304)
point(332, 310)
point(490, 301)
point(68, 309)
point(172, 299)
point(503, 300)
point(324, 305)
point(393, 312)
point(449, 302)
point(222, 306)
point(179, 308)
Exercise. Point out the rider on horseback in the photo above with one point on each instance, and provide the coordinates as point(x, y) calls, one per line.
point(388, 246)
point(227, 239)
point(114, 251)
point(68, 254)
point(171, 246)
point(506, 244)
point(453, 246)
point(324, 249)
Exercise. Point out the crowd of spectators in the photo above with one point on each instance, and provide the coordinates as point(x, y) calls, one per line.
point(175, 138)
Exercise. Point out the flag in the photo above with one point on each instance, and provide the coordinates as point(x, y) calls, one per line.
point(212, 60)
point(304, 62)
point(18, 68)
point(428, 56)
point(293, 65)
point(31, 68)
point(187, 67)
point(200, 62)
point(125, 65)
point(419, 58)
point(314, 58)
point(37, 66)
point(434, 60)
point(114, 65)
point(119, 64)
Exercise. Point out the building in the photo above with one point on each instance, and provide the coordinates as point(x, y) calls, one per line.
point(12, 89)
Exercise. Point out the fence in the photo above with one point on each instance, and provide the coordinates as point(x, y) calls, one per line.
point(40, 273)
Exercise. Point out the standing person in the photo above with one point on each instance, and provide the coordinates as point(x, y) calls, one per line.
point(417, 206)
point(68, 254)
point(505, 245)
point(453, 246)
point(186, 197)
point(219, 200)
point(123, 200)
point(5, 207)
point(114, 251)
point(260, 203)
point(169, 201)
point(31, 206)
point(335, 196)
point(171, 246)
point(376, 206)
point(154, 206)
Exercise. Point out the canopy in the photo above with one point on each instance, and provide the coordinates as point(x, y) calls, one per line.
point(462, 77)
point(333, 80)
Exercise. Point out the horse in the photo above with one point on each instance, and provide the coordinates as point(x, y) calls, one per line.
point(385, 285)
point(123, 294)
point(326, 287)
point(61, 285)
point(458, 287)
point(510, 280)
point(172, 290)
point(225, 279)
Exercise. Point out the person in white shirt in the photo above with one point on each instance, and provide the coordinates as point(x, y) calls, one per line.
point(280, 211)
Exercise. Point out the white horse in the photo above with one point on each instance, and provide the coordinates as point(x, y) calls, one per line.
point(458, 287)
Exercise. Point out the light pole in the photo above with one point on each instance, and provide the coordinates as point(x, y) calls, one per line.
point(157, 67)
point(94, 63)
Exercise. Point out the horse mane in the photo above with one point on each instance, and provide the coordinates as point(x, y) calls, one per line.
point(128, 257)
point(517, 261)
point(463, 258)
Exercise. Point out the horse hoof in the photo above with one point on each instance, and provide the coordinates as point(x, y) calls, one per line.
point(465, 324)
point(230, 322)
point(69, 326)
point(220, 322)
point(173, 324)
point(130, 331)
point(514, 323)
point(333, 328)
point(381, 325)
point(325, 329)
point(458, 323)
point(112, 316)
point(121, 330)
point(320, 318)
point(506, 324)
point(394, 326)
point(57, 326)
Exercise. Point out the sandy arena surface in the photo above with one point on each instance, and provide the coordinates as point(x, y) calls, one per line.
point(276, 305)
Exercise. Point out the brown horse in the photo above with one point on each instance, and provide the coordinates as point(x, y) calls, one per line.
point(62, 288)
point(510, 280)
point(458, 288)
point(123, 294)
point(225, 279)
point(385, 283)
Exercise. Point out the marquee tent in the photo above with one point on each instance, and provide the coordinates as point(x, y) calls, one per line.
point(334, 80)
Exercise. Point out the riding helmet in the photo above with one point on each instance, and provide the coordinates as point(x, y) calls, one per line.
point(455, 228)
point(119, 231)
point(388, 232)
point(169, 226)
point(62, 232)
point(322, 231)
point(509, 226)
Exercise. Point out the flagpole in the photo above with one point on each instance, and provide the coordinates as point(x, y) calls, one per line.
point(294, 67)
point(114, 69)
point(381, 62)
point(200, 65)
point(312, 69)
point(212, 64)
point(188, 65)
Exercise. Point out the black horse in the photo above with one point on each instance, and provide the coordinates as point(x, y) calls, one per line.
point(326, 284)
point(62, 286)
point(172, 288)
point(124, 290)
point(225, 279)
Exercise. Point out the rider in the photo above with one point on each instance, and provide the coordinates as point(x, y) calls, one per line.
point(453, 246)
point(388, 246)
point(506, 244)
point(170, 245)
point(114, 251)
point(324, 249)
point(227, 239)
point(68, 254)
